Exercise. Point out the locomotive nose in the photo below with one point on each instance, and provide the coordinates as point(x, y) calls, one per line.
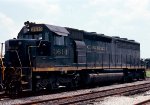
point(12, 44)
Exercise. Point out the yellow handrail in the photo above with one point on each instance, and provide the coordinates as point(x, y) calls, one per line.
point(29, 52)
point(2, 64)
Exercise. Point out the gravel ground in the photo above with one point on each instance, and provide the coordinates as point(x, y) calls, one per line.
point(124, 100)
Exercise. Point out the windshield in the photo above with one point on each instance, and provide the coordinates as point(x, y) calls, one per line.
point(31, 36)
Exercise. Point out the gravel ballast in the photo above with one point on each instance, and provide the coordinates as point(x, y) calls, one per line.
point(124, 100)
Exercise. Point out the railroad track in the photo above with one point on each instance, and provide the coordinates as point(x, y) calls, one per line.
point(84, 96)
point(145, 102)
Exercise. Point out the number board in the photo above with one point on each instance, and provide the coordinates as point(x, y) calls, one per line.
point(36, 29)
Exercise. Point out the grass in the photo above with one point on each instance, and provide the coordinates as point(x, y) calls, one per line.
point(148, 73)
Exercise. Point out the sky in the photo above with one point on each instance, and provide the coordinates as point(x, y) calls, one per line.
point(124, 18)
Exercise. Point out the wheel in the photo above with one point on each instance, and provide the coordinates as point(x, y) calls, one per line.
point(1, 87)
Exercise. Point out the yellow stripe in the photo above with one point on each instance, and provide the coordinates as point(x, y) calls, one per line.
point(82, 68)
point(57, 69)
point(78, 68)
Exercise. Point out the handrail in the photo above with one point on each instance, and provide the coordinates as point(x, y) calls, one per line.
point(18, 58)
point(19, 61)
point(2, 63)
point(29, 52)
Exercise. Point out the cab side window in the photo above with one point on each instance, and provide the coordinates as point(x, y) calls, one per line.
point(47, 36)
point(59, 40)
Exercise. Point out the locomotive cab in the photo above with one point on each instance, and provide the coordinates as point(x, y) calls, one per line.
point(54, 44)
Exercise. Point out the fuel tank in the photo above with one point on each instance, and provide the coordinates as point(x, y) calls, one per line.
point(96, 78)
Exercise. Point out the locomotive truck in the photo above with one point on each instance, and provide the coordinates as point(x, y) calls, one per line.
point(47, 57)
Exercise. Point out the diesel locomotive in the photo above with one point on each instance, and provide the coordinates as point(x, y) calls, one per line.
point(47, 57)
